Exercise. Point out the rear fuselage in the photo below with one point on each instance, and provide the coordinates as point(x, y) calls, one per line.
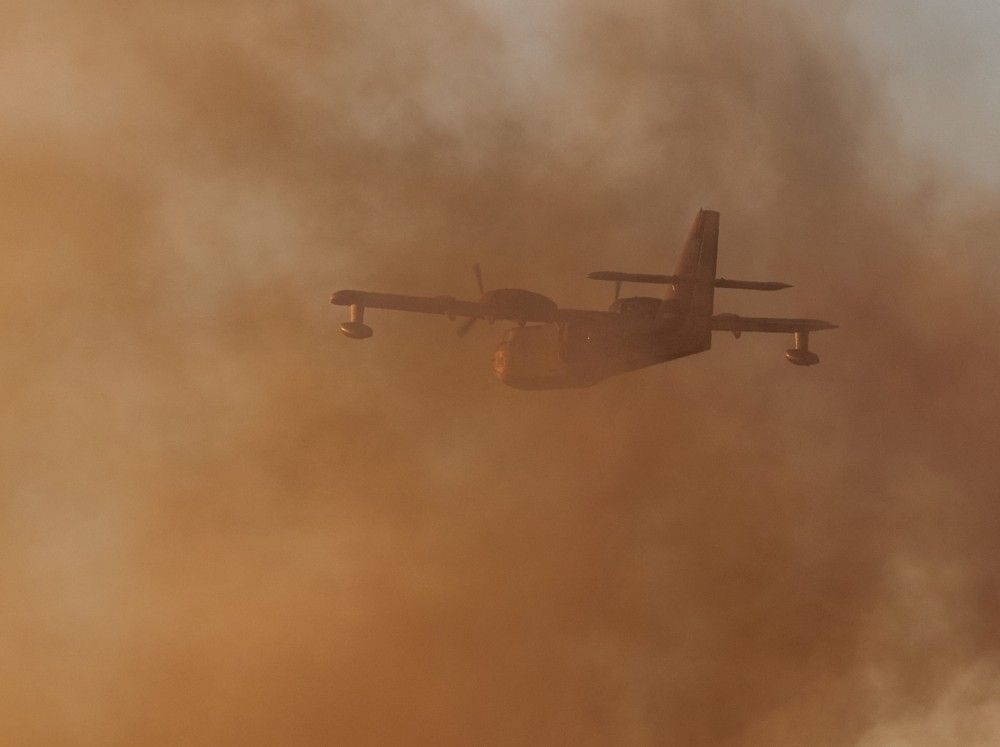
point(580, 354)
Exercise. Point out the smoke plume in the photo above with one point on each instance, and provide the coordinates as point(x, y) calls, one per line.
point(225, 524)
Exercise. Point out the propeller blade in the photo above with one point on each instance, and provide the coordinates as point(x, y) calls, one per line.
point(467, 325)
point(479, 278)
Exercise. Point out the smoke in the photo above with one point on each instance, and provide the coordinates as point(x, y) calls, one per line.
point(223, 524)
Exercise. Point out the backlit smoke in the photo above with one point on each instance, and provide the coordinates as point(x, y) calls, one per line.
point(225, 524)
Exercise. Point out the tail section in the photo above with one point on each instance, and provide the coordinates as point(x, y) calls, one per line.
point(697, 266)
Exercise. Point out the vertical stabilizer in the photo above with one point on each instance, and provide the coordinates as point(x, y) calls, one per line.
point(697, 263)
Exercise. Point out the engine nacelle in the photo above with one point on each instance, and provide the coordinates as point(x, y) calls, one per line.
point(516, 302)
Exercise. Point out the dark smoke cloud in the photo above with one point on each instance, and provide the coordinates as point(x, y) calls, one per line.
point(223, 525)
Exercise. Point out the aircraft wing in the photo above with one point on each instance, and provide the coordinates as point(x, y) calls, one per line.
point(737, 324)
point(528, 307)
point(445, 305)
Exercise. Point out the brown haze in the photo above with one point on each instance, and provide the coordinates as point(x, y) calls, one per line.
point(224, 524)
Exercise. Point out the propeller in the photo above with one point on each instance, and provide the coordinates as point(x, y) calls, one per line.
point(477, 271)
point(468, 323)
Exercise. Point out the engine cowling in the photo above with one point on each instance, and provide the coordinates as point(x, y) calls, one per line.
point(516, 302)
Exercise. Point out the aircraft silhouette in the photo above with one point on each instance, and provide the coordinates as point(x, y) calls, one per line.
point(553, 348)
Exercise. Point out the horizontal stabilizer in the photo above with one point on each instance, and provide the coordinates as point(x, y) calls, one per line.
point(638, 277)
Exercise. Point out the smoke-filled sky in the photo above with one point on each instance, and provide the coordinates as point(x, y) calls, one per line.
point(222, 523)
point(937, 66)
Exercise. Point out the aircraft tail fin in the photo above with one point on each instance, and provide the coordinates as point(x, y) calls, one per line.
point(697, 262)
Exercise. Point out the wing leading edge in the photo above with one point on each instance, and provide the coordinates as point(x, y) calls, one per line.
point(735, 323)
point(799, 353)
point(445, 305)
point(506, 305)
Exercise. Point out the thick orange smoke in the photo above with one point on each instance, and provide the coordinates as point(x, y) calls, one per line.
point(224, 524)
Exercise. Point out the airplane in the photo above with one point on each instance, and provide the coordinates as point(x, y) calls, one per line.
point(554, 348)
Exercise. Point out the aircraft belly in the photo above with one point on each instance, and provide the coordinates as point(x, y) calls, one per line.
point(540, 357)
point(531, 358)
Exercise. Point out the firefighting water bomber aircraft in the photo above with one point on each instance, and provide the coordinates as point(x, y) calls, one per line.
point(553, 348)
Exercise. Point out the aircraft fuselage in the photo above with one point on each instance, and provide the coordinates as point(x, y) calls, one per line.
point(580, 354)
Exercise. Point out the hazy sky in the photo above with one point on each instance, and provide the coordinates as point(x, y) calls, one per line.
point(941, 64)
point(938, 61)
point(221, 523)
